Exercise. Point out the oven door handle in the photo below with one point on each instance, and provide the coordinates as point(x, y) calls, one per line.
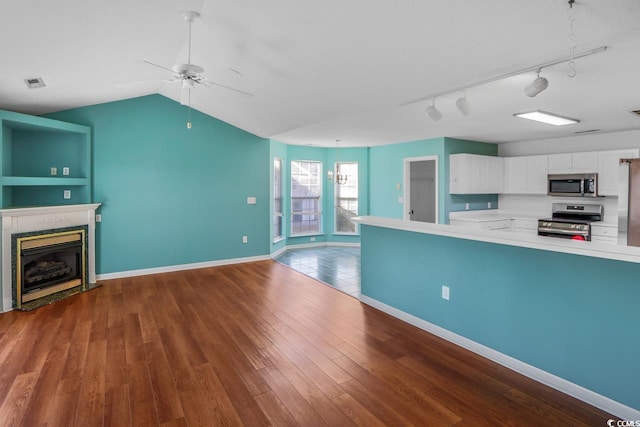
point(556, 231)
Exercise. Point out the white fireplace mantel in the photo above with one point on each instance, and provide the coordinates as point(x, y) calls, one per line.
point(24, 220)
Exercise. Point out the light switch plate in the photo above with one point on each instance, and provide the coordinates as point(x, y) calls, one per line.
point(251, 200)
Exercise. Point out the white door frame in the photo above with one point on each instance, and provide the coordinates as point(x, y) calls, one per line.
point(407, 185)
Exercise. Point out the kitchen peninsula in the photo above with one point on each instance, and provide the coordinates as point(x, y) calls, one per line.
point(560, 311)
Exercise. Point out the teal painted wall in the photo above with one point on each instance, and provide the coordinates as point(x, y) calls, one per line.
point(457, 202)
point(578, 321)
point(173, 195)
point(386, 172)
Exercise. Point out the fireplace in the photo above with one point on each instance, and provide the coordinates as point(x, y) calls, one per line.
point(47, 254)
point(48, 264)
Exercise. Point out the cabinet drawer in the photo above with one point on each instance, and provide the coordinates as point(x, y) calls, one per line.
point(603, 239)
point(496, 225)
point(598, 230)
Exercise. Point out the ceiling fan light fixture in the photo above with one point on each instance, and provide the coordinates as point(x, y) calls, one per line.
point(548, 118)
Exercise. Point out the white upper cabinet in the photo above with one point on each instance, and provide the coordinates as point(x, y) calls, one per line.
point(525, 175)
point(475, 174)
point(586, 162)
point(609, 170)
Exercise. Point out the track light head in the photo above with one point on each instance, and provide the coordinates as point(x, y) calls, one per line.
point(463, 105)
point(433, 113)
point(536, 86)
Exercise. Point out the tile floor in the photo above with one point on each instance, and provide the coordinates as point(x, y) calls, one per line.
point(337, 266)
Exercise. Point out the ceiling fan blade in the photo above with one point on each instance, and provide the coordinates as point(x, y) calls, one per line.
point(208, 83)
point(160, 66)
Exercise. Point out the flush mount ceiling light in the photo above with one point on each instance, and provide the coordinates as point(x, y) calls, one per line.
point(433, 113)
point(549, 118)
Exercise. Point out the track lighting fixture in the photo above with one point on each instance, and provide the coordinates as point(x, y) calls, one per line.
point(433, 113)
point(463, 105)
point(537, 86)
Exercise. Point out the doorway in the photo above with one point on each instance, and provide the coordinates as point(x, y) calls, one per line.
point(421, 189)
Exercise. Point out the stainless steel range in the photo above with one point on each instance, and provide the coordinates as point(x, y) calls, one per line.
point(570, 221)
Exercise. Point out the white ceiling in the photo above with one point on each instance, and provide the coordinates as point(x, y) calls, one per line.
point(333, 69)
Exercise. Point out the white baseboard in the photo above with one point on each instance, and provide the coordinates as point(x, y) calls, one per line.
point(560, 384)
point(182, 267)
point(315, 245)
point(193, 266)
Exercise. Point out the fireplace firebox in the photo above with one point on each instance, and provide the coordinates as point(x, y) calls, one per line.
point(48, 265)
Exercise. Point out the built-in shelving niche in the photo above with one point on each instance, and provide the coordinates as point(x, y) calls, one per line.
point(31, 146)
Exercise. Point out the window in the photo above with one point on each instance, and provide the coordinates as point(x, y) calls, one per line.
point(347, 198)
point(306, 189)
point(277, 199)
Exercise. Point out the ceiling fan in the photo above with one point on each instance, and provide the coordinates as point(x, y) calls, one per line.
point(190, 75)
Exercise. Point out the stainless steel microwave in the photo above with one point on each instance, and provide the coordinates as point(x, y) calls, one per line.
point(573, 185)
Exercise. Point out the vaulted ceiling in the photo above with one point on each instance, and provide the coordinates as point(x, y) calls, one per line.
point(326, 70)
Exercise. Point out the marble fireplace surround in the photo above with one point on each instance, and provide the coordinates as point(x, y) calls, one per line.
point(24, 220)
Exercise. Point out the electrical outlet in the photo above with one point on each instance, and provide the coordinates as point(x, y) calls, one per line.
point(466, 206)
point(245, 239)
point(65, 170)
point(488, 205)
point(312, 239)
point(98, 218)
point(66, 194)
point(54, 171)
point(445, 293)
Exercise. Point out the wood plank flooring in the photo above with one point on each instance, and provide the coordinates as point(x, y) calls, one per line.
point(250, 344)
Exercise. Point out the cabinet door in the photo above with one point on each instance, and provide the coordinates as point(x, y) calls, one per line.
point(492, 172)
point(537, 175)
point(475, 174)
point(515, 175)
point(584, 162)
point(610, 170)
point(458, 173)
point(559, 163)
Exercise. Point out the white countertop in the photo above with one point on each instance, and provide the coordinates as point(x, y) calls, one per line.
point(499, 214)
point(592, 249)
point(492, 215)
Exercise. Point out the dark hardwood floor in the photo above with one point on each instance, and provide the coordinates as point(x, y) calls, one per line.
point(250, 344)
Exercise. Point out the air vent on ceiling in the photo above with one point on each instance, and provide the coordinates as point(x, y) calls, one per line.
point(635, 112)
point(34, 83)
